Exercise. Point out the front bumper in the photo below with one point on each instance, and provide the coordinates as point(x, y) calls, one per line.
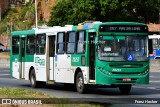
point(119, 79)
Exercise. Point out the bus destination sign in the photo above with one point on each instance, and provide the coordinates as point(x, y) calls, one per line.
point(123, 28)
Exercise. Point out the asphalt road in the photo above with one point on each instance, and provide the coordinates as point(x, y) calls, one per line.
point(96, 95)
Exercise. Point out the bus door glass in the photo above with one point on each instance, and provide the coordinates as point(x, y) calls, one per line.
point(15, 56)
point(65, 50)
point(92, 55)
point(51, 56)
point(22, 58)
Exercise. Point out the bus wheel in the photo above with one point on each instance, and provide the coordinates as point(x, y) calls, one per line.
point(125, 89)
point(33, 81)
point(80, 86)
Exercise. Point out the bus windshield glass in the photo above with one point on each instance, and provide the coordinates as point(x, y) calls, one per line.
point(123, 48)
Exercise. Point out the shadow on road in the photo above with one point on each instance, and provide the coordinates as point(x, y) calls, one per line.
point(99, 91)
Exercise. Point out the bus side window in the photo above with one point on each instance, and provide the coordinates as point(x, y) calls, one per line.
point(71, 42)
point(80, 42)
point(30, 44)
point(60, 42)
point(155, 43)
point(51, 46)
point(15, 45)
point(41, 43)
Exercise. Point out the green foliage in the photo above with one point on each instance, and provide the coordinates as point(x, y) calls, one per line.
point(3, 29)
point(17, 19)
point(24, 10)
point(66, 11)
point(77, 11)
point(21, 93)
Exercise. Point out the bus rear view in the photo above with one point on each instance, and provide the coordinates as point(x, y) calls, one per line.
point(122, 55)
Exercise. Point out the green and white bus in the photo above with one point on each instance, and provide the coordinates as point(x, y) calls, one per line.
point(111, 54)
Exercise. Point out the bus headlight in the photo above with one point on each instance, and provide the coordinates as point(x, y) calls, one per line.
point(145, 72)
point(109, 73)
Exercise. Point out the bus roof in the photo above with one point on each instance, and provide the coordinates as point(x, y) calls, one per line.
point(53, 29)
point(86, 25)
point(154, 36)
point(97, 24)
point(42, 30)
point(124, 23)
point(22, 33)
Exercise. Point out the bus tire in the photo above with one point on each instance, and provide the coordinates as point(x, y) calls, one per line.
point(80, 86)
point(125, 89)
point(33, 81)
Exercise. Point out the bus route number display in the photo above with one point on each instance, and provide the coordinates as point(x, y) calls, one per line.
point(123, 28)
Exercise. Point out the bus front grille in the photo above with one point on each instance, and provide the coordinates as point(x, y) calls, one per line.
point(126, 65)
point(134, 73)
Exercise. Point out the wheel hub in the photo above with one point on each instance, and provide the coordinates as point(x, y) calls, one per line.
point(32, 80)
point(80, 82)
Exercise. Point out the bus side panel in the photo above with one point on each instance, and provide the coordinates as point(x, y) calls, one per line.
point(15, 66)
point(28, 65)
point(76, 62)
point(51, 76)
point(63, 72)
point(29, 62)
point(40, 67)
point(155, 54)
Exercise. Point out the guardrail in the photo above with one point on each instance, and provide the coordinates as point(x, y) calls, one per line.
point(4, 62)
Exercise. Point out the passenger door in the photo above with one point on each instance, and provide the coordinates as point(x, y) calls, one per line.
point(63, 71)
point(15, 59)
point(51, 49)
point(40, 58)
point(92, 55)
point(22, 56)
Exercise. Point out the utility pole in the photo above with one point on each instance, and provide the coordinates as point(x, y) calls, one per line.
point(11, 25)
point(36, 13)
point(159, 12)
point(0, 13)
point(159, 15)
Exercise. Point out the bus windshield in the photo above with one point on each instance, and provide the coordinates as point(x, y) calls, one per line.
point(123, 48)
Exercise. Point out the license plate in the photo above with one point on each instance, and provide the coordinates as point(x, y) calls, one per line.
point(126, 79)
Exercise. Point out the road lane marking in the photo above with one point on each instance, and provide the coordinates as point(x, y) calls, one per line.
point(153, 77)
point(154, 81)
point(4, 74)
point(153, 88)
point(150, 87)
point(138, 87)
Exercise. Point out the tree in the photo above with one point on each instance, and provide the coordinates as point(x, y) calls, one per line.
point(74, 12)
point(77, 11)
